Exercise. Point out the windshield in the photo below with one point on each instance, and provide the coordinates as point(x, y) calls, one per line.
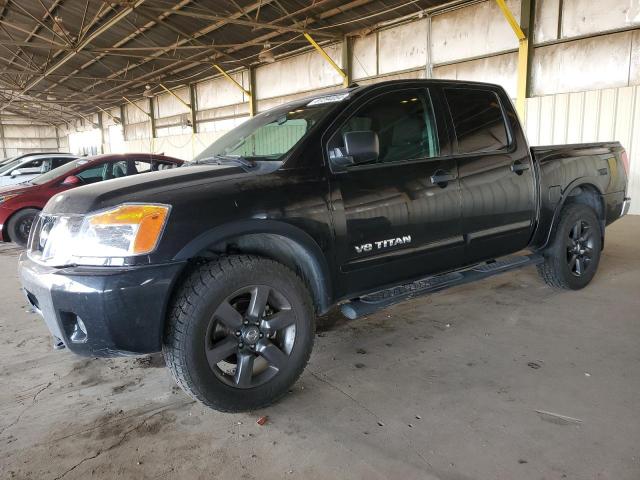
point(269, 135)
point(8, 166)
point(57, 172)
point(4, 161)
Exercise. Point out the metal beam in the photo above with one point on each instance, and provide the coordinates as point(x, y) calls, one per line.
point(248, 23)
point(175, 96)
point(123, 123)
point(85, 42)
point(4, 146)
point(119, 43)
point(204, 31)
point(101, 127)
point(137, 106)
point(152, 121)
point(522, 30)
point(231, 79)
point(193, 108)
point(252, 87)
point(515, 26)
point(325, 55)
point(159, 73)
point(115, 119)
point(347, 67)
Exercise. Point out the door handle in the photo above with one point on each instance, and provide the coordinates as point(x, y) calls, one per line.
point(519, 168)
point(442, 178)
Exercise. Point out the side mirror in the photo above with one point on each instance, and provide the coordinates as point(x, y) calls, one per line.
point(360, 147)
point(16, 172)
point(71, 180)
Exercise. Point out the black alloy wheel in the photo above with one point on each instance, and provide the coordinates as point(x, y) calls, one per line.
point(580, 247)
point(571, 259)
point(239, 332)
point(19, 225)
point(250, 336)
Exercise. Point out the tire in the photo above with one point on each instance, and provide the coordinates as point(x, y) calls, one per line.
point(215, 324)
point(19, 225)
point(572, 258)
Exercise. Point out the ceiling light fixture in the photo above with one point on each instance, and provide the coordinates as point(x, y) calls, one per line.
point(266, 55)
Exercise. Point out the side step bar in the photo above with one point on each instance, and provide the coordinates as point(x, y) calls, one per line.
point(372, 302)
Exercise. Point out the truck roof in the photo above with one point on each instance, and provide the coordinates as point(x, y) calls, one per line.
point(344, 93)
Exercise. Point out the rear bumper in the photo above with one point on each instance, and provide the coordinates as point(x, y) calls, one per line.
point(101, 312)
point(626, 204)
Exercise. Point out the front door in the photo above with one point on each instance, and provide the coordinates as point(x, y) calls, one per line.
point(398, 216)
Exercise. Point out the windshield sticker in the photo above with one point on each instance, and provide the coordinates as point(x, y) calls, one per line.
point(328, 99)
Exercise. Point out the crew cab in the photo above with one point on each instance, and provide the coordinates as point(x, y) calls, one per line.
point(359, 198)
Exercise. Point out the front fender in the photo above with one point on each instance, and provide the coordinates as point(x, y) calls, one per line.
point(291, 245)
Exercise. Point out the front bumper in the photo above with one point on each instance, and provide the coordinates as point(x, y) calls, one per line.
point(101, 312)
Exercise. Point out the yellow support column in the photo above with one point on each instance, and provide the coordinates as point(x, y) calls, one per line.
point(523, 49)
point(523, 77)
point(325, 55)
point(244, 90)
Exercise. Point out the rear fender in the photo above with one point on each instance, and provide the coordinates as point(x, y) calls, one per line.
point(569, 192)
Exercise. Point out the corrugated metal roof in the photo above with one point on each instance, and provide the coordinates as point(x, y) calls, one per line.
point(61, 58)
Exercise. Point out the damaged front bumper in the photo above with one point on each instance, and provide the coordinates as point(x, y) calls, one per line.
point(103, 311)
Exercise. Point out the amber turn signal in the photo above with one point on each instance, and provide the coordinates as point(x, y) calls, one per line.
point(149, 219)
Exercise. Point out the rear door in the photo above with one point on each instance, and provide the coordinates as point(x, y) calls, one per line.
point(495, 171)
point(399, 216)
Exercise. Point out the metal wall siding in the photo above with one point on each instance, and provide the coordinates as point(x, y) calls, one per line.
point(594, 116)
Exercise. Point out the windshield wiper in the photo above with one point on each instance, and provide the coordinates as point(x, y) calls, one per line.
point(222, 160)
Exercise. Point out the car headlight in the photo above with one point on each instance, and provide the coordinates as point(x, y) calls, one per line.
point(4, 198)
point(106, 237)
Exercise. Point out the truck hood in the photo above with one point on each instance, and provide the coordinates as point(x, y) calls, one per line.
point(147, 187)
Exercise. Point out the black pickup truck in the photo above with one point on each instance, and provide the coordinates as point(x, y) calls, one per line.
point(358, 198)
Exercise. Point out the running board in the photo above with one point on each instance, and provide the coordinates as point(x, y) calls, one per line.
point(372, 302)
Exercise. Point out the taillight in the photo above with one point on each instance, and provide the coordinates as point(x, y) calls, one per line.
point(625, 161)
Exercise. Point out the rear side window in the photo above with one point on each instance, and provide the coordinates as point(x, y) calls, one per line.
point(477, 119)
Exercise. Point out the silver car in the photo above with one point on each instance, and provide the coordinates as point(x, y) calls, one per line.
point(27, 167)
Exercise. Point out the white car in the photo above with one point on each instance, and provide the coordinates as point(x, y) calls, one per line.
point(27, 167)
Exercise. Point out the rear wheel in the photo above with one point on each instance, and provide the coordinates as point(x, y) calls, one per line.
point(240, 332)
point(572, 258)
point(19, 225)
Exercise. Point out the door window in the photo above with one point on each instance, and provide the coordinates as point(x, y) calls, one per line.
point(119, 169)
point(404, 122)
point(140, 166)
point(93, 174)
point(58, 162)
point(478, 120)
point(34, 166)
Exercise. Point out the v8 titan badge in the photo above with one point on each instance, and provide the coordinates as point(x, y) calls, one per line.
point(382, 244)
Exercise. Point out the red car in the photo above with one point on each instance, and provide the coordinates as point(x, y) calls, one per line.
point(19, 204)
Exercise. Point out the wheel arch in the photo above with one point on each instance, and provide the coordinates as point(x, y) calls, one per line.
point(584, 192)
point(272, 239)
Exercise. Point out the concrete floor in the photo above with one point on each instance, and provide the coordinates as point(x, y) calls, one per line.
point(503, 379)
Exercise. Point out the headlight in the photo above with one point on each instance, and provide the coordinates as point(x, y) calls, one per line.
point(106, 237)
point(4, 198)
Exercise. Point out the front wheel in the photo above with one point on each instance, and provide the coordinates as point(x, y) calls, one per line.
point(572, 258)
point(239, 333)
point(19, 225)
